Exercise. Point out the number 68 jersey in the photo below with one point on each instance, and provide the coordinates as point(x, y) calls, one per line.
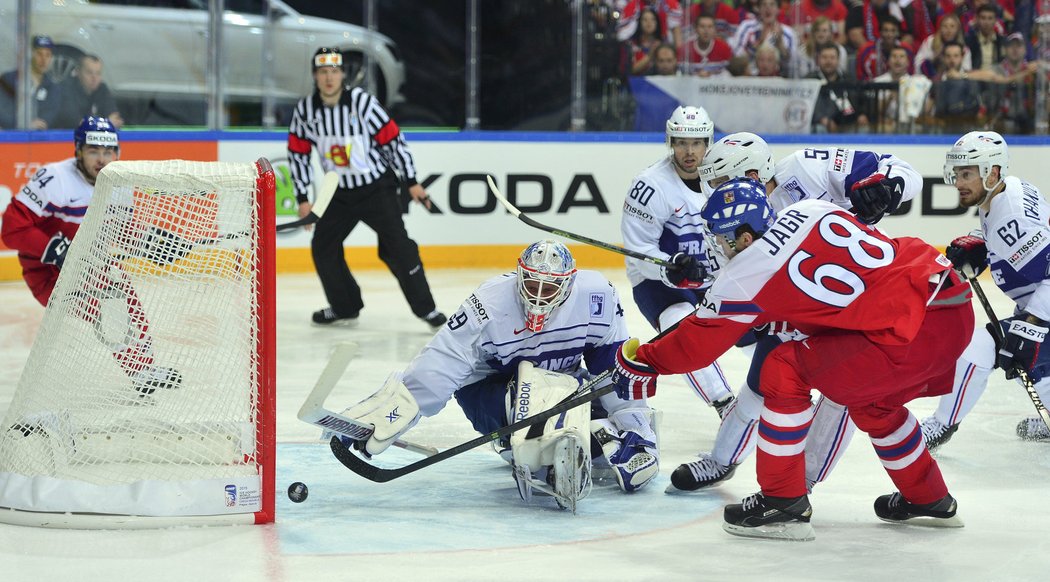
point(1017, 234)
point(817, 268)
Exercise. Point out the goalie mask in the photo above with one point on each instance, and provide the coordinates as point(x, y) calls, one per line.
point(983, 149)
point(546, 272)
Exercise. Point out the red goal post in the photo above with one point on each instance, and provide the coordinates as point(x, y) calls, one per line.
point(148, 398)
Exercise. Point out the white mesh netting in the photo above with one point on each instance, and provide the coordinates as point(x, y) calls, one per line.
point(139, 395)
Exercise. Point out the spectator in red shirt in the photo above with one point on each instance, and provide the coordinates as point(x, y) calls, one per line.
point(726, 19)
point(671, 19)
point(873, 57)
point(706, 54)
point(643, 44)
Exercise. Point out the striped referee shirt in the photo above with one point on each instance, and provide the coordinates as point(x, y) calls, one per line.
point(357, 139)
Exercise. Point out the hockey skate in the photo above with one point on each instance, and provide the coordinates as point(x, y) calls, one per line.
point(147, 381)
point(568, 480)
point(936, 434)
point(759, 516)
point(700, 474)
point(1033, 429)
point(722, 406)
point(435, 319)
point(894, 508)
point(327, 317)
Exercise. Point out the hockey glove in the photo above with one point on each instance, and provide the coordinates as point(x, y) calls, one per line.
point(875, 196)
point(55, 251)
point(634, 380)
point(685, 272)
point(968, 255)
point(1020, 348)
point(165, 247)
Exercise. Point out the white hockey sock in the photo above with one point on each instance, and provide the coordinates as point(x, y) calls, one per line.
point(736, 435)
point(829, 436)
point(971, 378)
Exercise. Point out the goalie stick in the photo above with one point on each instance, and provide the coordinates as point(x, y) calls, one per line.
point(381, 475)
point(313, 410)
point(584, 394)
point(997, 331)
point(572, 236)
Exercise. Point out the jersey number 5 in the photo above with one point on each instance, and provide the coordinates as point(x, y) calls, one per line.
point(836, 284)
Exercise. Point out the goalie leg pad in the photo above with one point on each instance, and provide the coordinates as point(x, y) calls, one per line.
point(392, 410)
point(555, 454)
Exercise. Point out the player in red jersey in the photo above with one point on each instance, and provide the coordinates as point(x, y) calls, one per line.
point(884, 320)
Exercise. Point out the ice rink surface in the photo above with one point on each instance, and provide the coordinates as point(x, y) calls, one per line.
point(462, 520)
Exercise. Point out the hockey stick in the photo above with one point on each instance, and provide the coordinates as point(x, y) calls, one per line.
point(380, 475)
point(325, 192)
point(313, 410)
point(572, 236)
point(997, 331)
point(584, 394)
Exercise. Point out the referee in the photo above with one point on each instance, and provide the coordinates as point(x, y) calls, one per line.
point(355, 138)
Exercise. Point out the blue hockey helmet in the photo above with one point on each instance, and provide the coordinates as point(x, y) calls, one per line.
point(735, 203)
point(97, 131)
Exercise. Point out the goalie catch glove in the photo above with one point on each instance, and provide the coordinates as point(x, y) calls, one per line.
point(968, 255)
point(1020, 349)
point(55, 251)
point(685, 272)
point(875, 196)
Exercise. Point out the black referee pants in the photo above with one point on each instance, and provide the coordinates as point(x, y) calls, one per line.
point(377, 206)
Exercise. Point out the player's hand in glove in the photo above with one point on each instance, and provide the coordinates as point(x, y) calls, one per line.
point(634, 380)
point(165, 247)
point(685, 272)
point(55, 251)
point(1020, 349)
point(968, 255)
point(875, 196)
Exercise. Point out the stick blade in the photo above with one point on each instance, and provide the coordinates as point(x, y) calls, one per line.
point(333, 371)
point(325, 192)
point(357, 464)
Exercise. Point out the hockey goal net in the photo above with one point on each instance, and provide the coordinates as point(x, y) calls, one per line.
point(148, 396)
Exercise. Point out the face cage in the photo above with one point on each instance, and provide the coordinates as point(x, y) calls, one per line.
point(540, 304)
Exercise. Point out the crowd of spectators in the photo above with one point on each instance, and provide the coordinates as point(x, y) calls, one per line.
point(969, 59)
point(58, 101)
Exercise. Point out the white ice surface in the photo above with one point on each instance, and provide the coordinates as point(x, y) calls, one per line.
point(462, 519)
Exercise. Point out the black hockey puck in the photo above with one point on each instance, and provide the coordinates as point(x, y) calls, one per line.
point(298, 492)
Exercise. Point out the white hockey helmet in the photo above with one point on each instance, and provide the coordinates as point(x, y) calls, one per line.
point(546, 272)
point(690, 122)
point(983, 149)
point(734, 156)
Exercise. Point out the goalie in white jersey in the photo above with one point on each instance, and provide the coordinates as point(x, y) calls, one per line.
point(1014, 240)
point(661, 218)
point(517, 346)
point(868, 184)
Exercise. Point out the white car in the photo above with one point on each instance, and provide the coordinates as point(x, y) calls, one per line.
point(160, 48)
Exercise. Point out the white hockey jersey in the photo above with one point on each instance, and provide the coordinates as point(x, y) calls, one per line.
point(1017, 232)
point(487, 336)
point(58, 190)
point(661, 217)
point(829, 174)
